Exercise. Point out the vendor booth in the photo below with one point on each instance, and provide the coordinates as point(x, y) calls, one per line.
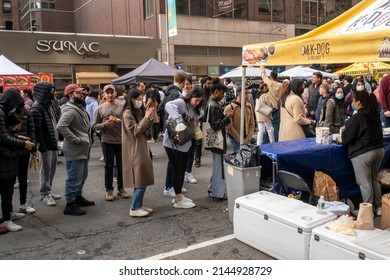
point(304, 72)
point(360, 34)
point(152, 71)
point(13, 76)
point(365, 68)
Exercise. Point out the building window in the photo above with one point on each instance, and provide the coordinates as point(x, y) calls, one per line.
point(271, 10)
point(7, 7)
point(309, 12)
point(148, 9)
point(191, 7)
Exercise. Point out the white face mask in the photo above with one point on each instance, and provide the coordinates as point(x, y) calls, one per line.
point(137, 104)
point(359, 88)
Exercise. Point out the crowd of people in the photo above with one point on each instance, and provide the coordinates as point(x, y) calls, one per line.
point(34, 122)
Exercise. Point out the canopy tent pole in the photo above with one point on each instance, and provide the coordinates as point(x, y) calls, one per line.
point(243, 103)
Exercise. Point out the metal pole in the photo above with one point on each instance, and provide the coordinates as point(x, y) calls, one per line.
point(243, 103)
point(167, 29)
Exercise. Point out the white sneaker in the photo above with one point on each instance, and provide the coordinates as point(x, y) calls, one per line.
point(190, 179)
point(11, 226)
point(183, 190)
point(174, 200)
point(26, 209)
point(55, 196)
point(185, 203)
point(49, 200)
point(138, 213)
point(102, 159)
point(169, 193)
point(15, 215)
point(378, 211)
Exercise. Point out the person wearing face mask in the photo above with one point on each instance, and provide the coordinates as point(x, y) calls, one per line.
point(74, 126)
point(292, 112)
point(363, 136)
point(136, 155)
point(332, 115)
point(45, 122)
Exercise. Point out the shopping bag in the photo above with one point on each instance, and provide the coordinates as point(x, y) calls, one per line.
point(179, 131)
point(324, 185)
point(385, 218)
point(212, 138)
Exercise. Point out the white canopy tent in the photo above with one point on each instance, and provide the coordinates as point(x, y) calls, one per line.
point(251, 72)
point(304, 72)
point(7, 67)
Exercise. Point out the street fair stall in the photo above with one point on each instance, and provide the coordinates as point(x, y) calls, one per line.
point(13, 76)
point(365, 68)
point(342, 40)
point(304, 156)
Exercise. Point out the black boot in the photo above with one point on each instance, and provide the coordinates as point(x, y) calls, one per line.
point(73, 209)
point(81, 201)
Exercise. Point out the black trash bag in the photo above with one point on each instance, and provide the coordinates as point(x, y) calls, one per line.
point(246, 156)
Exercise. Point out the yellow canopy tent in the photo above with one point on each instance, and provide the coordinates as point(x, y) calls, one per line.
point(365, 68)
point(360, 34)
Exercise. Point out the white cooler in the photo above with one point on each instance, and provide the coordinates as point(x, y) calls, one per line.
point(276, 225)
point(366, 245)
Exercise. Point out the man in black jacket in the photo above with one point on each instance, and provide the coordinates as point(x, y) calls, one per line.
point(45, 122)
point(9, 101)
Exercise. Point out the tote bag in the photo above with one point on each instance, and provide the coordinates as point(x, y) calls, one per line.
point(211, 138)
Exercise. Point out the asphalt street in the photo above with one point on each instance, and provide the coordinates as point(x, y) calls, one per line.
point(108, 232)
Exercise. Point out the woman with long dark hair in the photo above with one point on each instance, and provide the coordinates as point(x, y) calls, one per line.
point(187, 107)
point(292, 112)
point(363, 135)
point(136, 156)
point(218, 121)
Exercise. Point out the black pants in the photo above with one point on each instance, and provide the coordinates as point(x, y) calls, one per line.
point(111, 151)
point(22, 177)
point(153, 130)
point(179, 163)
point(6, 191)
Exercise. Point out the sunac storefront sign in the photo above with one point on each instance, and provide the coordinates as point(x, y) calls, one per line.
point(85, 50)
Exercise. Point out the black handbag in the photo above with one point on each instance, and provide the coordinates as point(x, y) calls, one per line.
point(309, 130)
point(179, 132)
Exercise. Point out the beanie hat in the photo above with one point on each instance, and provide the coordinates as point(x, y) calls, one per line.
point(43, 89)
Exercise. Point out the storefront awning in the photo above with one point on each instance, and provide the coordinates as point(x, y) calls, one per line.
point(94, 78)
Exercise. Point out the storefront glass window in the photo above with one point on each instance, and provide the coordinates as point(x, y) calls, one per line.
point(191, 7)
point(271, 10)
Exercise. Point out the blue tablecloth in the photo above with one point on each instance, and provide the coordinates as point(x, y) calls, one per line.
point(304, 156)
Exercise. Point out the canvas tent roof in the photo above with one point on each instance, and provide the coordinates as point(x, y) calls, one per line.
point(7, 67)
point(152, 71)
point(250, 72)
point(365, 68)
point(360, 34)
point(304, 72)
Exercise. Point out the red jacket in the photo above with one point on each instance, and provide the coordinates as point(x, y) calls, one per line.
point(384, 93)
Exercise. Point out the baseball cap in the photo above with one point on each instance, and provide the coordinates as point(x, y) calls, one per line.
point(106, 87)
point(247, 86)
point(71, 88)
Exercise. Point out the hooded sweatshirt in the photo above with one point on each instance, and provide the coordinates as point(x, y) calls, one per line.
point(74, 126)
point(9, 100)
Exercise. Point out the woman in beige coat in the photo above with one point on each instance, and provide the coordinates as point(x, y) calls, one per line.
point(136, 160)
point(292, 112)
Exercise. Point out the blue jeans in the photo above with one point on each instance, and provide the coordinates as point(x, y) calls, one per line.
point(77, 173)
point(138, 198)
point(217, 182)
point(235, 145)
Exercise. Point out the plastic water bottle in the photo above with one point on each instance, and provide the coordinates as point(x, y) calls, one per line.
point(321, 203)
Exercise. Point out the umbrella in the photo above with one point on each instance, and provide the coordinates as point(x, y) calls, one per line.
point(305, 72)
point(251, 72)
point(365, 68)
